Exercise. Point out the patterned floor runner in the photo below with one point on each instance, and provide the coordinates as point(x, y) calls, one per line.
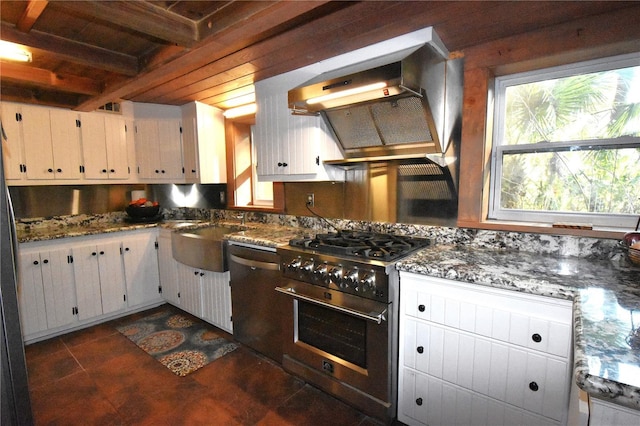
point(182, 343)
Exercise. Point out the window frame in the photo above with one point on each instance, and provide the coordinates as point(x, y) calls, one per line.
point(501, 83)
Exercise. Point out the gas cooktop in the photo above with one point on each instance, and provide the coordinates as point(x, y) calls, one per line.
point(361, 244)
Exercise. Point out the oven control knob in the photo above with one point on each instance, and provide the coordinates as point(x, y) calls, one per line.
point(321, 271)
point(368, 282)
point(294, 264)
point(307, 266)
point(350, 279)
point(335, 274)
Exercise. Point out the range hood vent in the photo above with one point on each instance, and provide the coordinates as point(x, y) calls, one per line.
point(402, 105)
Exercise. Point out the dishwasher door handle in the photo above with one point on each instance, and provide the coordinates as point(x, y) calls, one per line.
point(255, 264)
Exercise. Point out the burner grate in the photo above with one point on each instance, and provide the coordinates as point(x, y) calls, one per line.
point(365, 245)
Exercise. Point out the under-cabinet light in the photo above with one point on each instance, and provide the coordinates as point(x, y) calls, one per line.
point(14, 52)
point(348, 92)
point(241, 111)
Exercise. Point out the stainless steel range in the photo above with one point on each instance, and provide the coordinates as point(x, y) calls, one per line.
point(342, 327)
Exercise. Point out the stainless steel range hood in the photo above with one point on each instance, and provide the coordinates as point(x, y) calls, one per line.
point(405, 105)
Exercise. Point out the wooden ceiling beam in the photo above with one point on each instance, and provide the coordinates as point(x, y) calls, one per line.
point(72, 51)
point(31, 14)
point(230, 41)
point(49, 80)
point(139, 16)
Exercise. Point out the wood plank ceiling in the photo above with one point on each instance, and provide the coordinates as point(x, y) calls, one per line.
point(88, 53)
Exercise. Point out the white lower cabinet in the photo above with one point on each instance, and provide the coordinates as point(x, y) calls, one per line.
point(205, 294)
point(47, 294)
point(603, 413)
point(73, 282)
point(475, 355)
point(99, 278)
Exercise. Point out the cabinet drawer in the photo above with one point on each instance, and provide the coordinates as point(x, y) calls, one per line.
point(431, 401)
point(535, 322)
point(520, 377)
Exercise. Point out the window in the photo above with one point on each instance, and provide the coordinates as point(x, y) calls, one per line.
point(566, 145)
point(247, 190)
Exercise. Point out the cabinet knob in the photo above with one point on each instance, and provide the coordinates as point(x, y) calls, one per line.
point(126, 249)
point(533, 386)
point(419, 401)
point(420, 349)
point(94, 254)
point(201, 274)
point(282, 164)
point(104, 170)
point(157, 171)
point(421, 308)
point(45, 261)
point(195, 273)
point(536, 338)
point(35, 262)
point(59, 170)
point(112, 170)
point(50, 170)
point(193, 170)
point(101, 252)
point(161, 171)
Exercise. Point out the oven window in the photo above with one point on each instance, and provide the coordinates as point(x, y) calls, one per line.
point(333, 332)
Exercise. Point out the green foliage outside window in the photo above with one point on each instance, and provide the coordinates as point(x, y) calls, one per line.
point(567, 174)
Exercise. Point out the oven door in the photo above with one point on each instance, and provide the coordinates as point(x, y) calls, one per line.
point(339, 335)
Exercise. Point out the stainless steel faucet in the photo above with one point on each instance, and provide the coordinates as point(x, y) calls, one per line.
point(242, 216)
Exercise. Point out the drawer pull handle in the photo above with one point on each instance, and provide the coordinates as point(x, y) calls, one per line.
point(536, 338)
point(419, 401)
point(533, 386)
point(420, 349)
point(421, 308)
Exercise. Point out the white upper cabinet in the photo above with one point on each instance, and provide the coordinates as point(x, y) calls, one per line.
point(12, 146)
point(44, 143)
point(203, 144)
point(104, 146)
point(289, 147)
point(159, 150)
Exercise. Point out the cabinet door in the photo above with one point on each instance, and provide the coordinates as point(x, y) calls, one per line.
point(116, 146)
point(141, 269)
point(147, 151)
point(216, 299)
point(36, 133)
point(94, 149)
point(168, 268)
point(59, 288)
point(12, 150)
point(33, 314)
point(170, 145)
point(189, 147)
point(65, 140)
point(112, 285)
point(190, 289)
point(87, 277)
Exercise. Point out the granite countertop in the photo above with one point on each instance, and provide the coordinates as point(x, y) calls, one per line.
point(606, 294)
point(606, 299)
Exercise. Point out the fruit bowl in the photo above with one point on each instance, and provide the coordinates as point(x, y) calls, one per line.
point(142, 209)
point(634, 253)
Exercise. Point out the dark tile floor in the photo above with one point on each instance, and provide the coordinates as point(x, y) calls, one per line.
point(97, 376)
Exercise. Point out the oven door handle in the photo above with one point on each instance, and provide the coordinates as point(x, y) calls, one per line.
point(376, 317)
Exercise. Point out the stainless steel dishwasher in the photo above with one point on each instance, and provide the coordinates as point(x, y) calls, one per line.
point(256, 306)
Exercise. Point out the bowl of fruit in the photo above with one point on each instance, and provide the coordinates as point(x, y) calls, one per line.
point(143, 209)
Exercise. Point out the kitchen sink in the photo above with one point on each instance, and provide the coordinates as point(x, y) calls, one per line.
point(202, 248)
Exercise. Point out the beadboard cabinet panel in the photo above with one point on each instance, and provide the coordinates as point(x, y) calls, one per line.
point(471, 347)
